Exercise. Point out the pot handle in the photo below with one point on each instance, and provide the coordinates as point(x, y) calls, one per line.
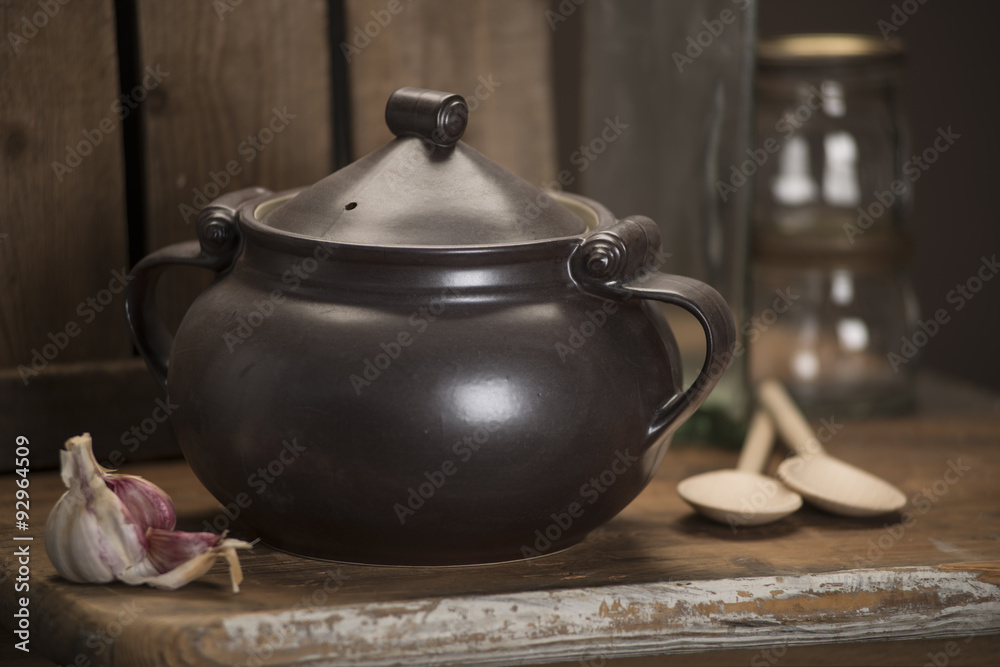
point(616, 261)
point(219, 244)
point(713, 313)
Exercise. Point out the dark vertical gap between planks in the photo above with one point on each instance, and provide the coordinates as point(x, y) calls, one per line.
point(340, 103)
point(567, 53)
point(127, 35)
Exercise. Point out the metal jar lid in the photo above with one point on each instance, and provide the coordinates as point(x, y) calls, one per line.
point(827, 50)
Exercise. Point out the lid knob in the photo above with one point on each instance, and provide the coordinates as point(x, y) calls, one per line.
point(429, 114)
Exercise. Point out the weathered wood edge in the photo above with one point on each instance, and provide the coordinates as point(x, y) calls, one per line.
point(615, 621)
point(106, 398)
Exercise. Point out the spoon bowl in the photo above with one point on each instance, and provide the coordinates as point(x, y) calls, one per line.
point(838, 487)
point(743, 497)
point(739, 497)
point(826, 482)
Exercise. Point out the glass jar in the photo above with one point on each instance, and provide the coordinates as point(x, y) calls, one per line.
point(833, 301)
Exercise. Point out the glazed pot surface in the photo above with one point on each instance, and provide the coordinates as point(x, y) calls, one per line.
point(435, 430)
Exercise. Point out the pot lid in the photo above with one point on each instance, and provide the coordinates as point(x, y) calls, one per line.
point(424, 188)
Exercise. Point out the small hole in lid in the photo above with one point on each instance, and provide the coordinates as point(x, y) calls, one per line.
point(353, 205)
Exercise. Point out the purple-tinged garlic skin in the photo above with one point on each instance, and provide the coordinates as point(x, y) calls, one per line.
point(149, 505)
point(167, 549)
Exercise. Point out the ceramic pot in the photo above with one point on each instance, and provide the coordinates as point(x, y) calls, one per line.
point(424, 359)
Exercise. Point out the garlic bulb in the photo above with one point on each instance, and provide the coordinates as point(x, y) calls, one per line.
point(109, 526)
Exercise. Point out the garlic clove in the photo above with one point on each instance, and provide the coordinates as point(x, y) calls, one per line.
point(149, 505)
point(168, 549)
point(85, 550)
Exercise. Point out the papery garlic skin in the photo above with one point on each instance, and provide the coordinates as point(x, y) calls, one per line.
point(109, 526)
point(175, 558)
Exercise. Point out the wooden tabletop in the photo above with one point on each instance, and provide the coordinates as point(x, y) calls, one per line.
point(656, 580)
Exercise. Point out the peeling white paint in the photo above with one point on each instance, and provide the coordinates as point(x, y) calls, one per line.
point(626, 620)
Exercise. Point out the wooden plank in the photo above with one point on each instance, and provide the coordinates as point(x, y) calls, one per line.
point(972, 651)
point(117, 402)
point(655, 580)
point(62, 206)
point(677, 617)
point(248, 88)
point(496, 54)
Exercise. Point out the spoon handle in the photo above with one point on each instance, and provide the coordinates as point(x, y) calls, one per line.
point(791, 423)
point(757, 445)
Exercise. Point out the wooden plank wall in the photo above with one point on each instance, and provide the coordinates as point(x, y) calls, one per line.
point(210, 76)
point(496, 54)
point(64, 232)
point(234, 69)
point(209, 79)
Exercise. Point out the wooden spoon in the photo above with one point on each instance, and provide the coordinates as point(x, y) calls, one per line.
point(743, 497)
point(824, 481)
